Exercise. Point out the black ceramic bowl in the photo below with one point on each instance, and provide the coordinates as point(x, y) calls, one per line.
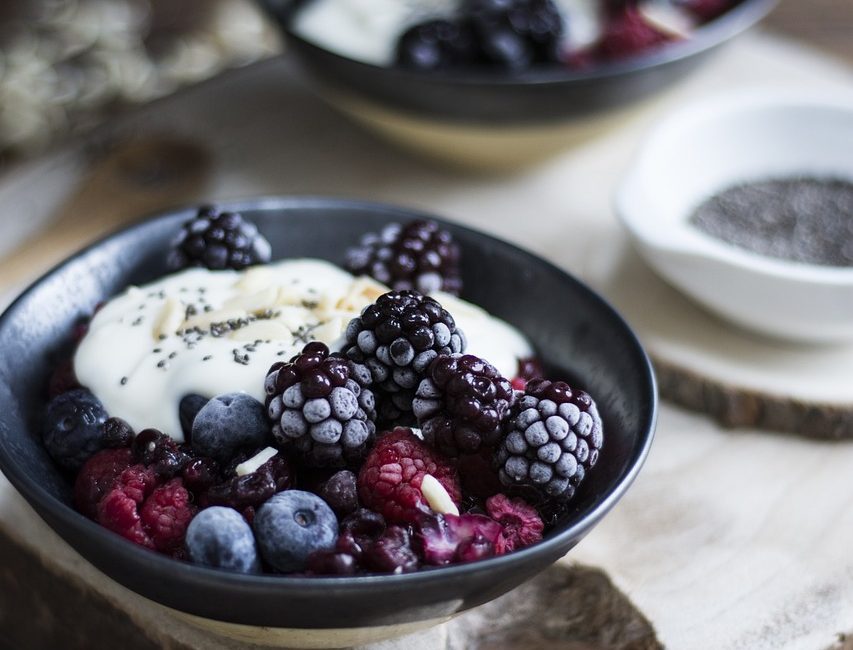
point(466, 116)
point(569, 324)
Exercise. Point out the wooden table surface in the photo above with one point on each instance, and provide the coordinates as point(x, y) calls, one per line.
point(827, 24)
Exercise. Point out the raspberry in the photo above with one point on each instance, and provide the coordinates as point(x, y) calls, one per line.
point(218, 240)
point(419, 256)
point(397, 337)
point(390, 479)
point(522, 525)
point(448, 539)
point(321, 406)
point(97, 477)
point(159, 452)
point(119, 509)
point(552, 439)
point(166, 514)
point(461, 404)
point(627, 34)
point(706, 10)
point(528, 369)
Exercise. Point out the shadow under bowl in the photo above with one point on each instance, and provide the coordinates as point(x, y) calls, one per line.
point(571, 326)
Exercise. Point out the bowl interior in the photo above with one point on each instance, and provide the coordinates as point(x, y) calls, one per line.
point(568, 324)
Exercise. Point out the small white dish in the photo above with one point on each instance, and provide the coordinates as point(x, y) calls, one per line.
point(715, 144)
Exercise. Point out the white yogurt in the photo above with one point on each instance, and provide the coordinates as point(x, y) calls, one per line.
point(213, 332)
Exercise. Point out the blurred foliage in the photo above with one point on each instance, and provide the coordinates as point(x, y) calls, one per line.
point(65, 65)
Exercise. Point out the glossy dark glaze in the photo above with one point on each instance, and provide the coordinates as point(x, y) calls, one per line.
point(573, 327)
point(548, 94)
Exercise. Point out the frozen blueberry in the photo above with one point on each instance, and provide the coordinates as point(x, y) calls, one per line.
point(221, 538)
point(187, 410)
point(228, 422)
point(292, 525)
point(73, 430)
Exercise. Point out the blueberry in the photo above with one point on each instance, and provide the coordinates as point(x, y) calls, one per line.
point(187, 410)
point(221, 538)
point(292, 525)
point(341, 493)
point(73, 430)
point(228, 422)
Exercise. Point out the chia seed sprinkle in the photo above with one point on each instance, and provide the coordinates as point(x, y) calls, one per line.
point(123, 381)
point(807, 220)
point(207, 357)
point(163, 364)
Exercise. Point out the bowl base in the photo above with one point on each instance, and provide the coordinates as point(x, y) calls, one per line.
point(481, 147)
point(305, 639)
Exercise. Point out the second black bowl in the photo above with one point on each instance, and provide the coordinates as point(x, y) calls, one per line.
point(570, 326)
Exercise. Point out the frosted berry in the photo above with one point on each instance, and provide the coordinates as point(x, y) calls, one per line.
point(419, 256)
point(461, 404)
point(73, 429)
point(390, 479)
point(291, 526)
point(227, 423)
point(97, 477)
point(221, 538)
point(321, 406)
point(218, 240)
point(520, 522)
point(552, 439)
point(396, 338)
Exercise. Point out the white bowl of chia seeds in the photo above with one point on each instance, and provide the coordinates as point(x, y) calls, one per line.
point(745, 203)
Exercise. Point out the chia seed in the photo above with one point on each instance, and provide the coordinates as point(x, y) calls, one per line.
point(807, 220)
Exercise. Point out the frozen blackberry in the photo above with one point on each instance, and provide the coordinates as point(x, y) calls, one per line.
point(436, 45)
point(515, 34)
point(461, 404)
point(321, 406)
point(552, 440)
point(397, 337)
point(218, 240)
point(418, 256)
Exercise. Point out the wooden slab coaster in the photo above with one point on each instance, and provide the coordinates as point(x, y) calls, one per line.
point(708, 365)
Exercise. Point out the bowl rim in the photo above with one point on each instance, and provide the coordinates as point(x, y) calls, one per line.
point(724, 108)
point(206, 576)
point(706, 37)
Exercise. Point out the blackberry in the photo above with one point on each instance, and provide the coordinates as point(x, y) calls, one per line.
point(418, 256)
point(321, 406)
point(461, 404)
point(397, 337)
point(516, 34)
point(218, 240)
point(436, 45)
point(552, 440)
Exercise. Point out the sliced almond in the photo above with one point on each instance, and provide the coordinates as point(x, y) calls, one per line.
point(255, 302)
point(252, 464)
point(437, 497)
point(169, 319)
point(254, 279)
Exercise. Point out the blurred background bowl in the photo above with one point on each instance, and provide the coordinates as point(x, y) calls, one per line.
point(497, 120)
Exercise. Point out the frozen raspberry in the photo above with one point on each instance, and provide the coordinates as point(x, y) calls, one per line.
point(627, 33)
point(417, 256)
point(321, 407)
point(166, 514)
point(97, 477)
point(119, 509)
point(448, 539)
point(397, 337)
point(159, 452)
point(706, 10)
point(390, 479)
point(552, 439)
point(528, 370)
point(392, 552)
point(521, 523)
point(461, 404)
